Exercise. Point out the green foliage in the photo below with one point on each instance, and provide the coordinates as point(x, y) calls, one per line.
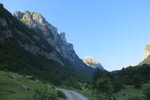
point(43, 93)
point(147, 92)
point(127, 80)
point(134, 75)
point(98, 74)
point(134, 98)
point(104, 96)
point(72, 82)
point(104, 89)
point(115, 79)
point(10, 89)
point(60, 94)
point(23, 62)
point(117, 85)
point(104, 85)
point(130, 92)
point(137, 80)
point(84, 89)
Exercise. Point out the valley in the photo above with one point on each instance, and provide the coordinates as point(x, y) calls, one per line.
point(37, 63)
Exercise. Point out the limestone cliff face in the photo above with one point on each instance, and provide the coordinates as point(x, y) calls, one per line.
point(58, 41)
point(90, 61)
point(147, 51)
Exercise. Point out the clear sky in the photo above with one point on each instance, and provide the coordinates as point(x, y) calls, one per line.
point(114, 32)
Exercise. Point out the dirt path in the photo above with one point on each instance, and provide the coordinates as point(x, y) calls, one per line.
point(73, 95)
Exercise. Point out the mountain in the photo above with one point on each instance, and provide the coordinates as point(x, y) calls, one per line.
point(146, 57)
point(30, 45)
point(38, 23)
point(146, 51)
point(93, 63)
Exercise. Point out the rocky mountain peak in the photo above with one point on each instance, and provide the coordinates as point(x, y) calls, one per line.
point(58, 41)
point(146, 51)
point(18, 14)
point(30, 17)
point(62, 35)
point(90, 59)
point(92, 62)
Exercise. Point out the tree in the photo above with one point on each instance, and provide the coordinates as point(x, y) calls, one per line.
point(137, 80)
point(117, 84)
point(104, 89)
point(98, 74)
point(71, 82)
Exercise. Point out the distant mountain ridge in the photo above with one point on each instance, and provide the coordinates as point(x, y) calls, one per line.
point(92, 62)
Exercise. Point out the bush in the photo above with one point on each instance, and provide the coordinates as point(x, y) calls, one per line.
point(117, 84)
point(105, 96)
point(104, 85)
point(60, 94)
point(104, 89)
point(72, 82)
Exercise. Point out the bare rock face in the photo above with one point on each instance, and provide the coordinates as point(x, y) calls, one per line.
point(58, 41)
point(92, 62)
point(18, 14)
point(147, 51)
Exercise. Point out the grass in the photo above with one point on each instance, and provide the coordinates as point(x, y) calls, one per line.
point(10, 89)
point(131, 93)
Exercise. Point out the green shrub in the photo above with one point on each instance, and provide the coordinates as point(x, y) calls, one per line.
point(60, 94)
point(104, 89)
point(72, 82)
point(104, 85)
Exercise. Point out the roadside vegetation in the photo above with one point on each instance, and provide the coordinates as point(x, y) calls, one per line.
point(11, 89)
point(132, 83)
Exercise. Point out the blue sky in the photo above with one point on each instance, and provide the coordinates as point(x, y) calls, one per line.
point(114, 32)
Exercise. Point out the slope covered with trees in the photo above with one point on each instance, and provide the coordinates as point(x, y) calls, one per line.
point(117, 81)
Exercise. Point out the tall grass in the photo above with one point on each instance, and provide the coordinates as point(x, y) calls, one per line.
point(42, 93)
point(135, 98)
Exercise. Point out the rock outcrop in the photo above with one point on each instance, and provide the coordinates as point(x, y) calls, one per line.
point(147, 51)
point(25, 87)
point(90, 61)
